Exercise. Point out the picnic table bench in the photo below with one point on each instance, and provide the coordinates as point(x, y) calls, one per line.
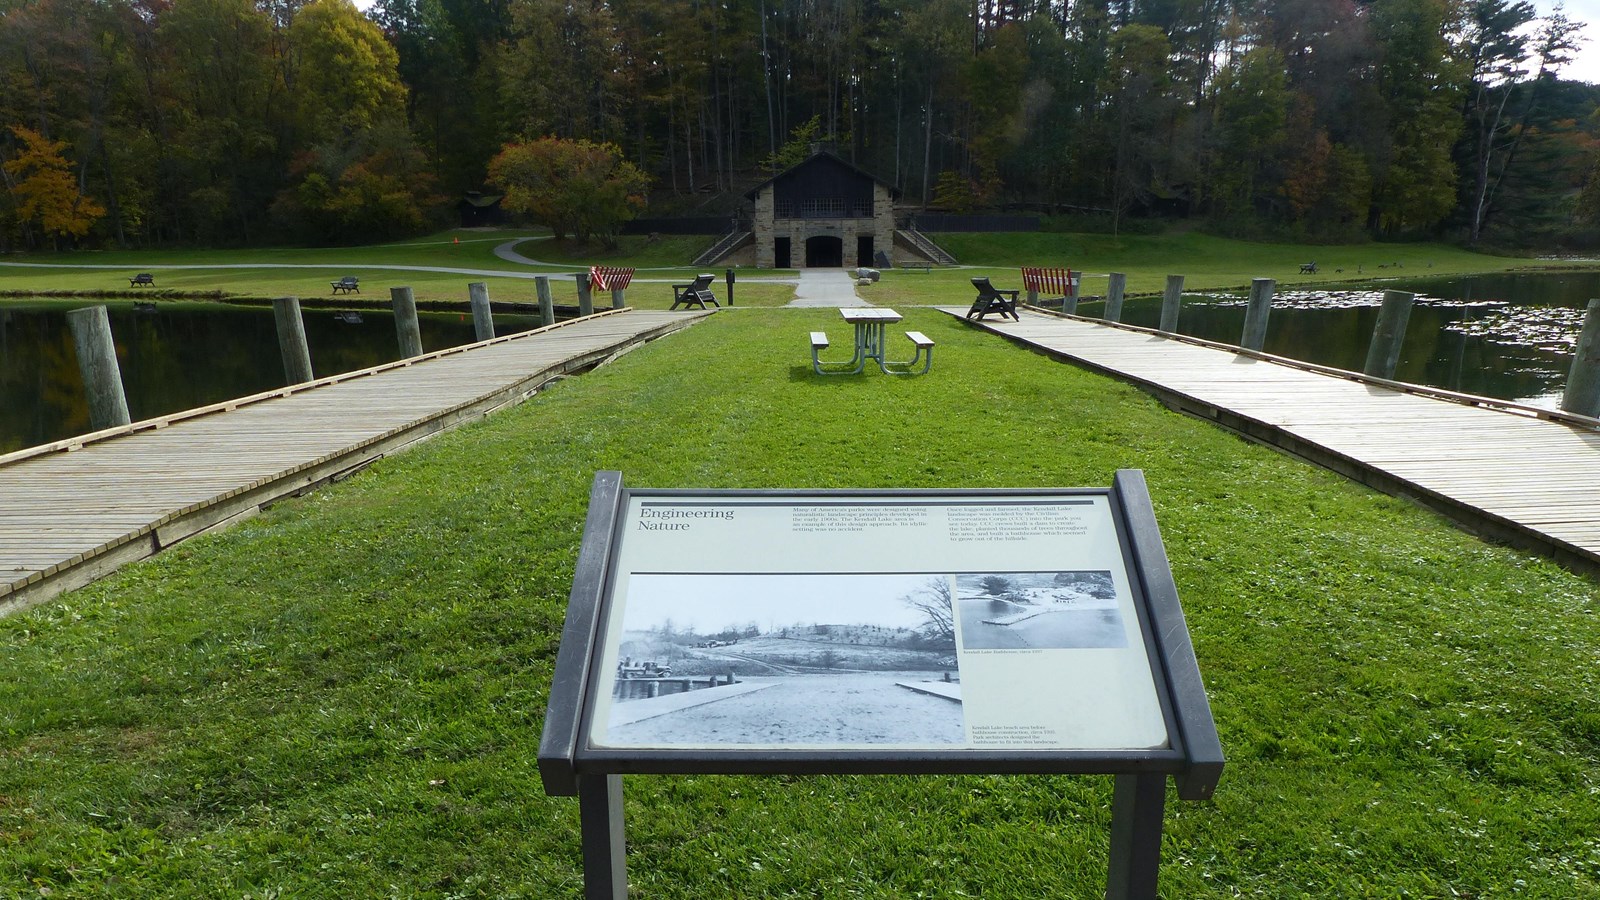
point(697, 293)
point(143, 278)
point(870, 324)
point(346, 284)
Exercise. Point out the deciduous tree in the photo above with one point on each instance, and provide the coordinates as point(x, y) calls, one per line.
point(579, 188)
point(45, 190)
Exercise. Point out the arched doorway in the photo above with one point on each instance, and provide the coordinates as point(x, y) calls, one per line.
point(824, 252)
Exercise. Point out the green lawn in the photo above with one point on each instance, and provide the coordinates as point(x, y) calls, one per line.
point(1206, 262)
point(342, 697)
point(380, 267)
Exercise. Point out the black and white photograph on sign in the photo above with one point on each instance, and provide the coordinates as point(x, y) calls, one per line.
point(786, 660)
point(1039, 610)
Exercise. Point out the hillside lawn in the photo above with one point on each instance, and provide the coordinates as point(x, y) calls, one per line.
point(1206, 262)
point(342, 697)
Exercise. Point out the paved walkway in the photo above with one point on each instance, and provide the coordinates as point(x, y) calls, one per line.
point(826, 288)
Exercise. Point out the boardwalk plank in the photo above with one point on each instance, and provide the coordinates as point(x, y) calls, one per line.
point(1505, 472)
point(63, 508)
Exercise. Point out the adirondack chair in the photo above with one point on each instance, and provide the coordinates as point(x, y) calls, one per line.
point(697, 293)
point(992, 300)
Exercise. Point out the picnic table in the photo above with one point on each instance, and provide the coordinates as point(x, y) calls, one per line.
point(870, 324)
point(346, 284)
point(1309, 268)
point(143, 278)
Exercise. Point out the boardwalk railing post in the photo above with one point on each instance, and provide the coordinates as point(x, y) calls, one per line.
point(406, 326)
point(1582, 395)
point(1383, 356)
point(585, 295)
point(1033, 296)
point(482, 318)
point(1069, 302)
point(619, 298)
point(97, 360)
point(1170, 300)
point(547, 304)
point(292, 340)
point(1255, 316)
point(1114, 292)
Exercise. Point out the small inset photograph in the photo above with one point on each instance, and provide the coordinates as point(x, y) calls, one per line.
point(787, 660)
point(1039, 611)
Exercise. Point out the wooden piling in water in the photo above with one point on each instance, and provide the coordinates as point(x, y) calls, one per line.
point(292, 344)
point(1255, 315)
point(1114, 292)
point(406, 327)
point(1171, 299)
point(482, 318)
point(585, 294)
point(547, 303)
point(97, 360)
point(1383, 355)
point(1582, 395)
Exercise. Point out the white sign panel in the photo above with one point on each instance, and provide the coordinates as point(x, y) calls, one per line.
point(836, 622)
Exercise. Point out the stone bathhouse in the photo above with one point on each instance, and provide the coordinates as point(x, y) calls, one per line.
point(822, 213)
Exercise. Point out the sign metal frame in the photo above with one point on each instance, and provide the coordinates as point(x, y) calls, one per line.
point(569, 765)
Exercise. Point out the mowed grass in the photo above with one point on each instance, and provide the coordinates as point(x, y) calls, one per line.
point(259, 274)
point(343, 696)
point(1206, 262)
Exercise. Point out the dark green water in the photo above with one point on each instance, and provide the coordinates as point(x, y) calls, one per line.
point(1509, 337)
point(183, 356)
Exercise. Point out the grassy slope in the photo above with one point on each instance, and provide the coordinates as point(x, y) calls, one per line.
point(342, 697)
point(662, 260)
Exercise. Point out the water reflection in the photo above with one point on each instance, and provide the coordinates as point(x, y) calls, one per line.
point(185, 355)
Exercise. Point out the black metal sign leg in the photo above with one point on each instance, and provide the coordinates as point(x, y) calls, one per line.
point(1136, 809)
point(605, 864)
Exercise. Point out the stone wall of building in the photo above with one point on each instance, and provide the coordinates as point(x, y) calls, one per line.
point(798, 231)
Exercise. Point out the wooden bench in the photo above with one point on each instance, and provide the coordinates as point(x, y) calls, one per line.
point(696, 293)
point(143, 278)
point(992, 300)
point(1309, 268)
point(925, 267)
point(346, 284)
point(1058, 284)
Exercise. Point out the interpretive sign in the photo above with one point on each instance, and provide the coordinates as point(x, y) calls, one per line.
point(876, 631)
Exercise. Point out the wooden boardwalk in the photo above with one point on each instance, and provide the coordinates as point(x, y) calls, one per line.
point(1513, 473)
point(73, 511)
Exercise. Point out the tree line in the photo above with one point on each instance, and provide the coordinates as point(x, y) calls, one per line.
point(160, 122)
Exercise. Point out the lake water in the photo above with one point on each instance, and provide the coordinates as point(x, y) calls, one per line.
point(1509, 336)
point(185, 355)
